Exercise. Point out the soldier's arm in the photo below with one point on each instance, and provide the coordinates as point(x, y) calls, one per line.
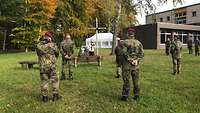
point(124, 51)
point(115, 50)
point(56, 50)
point(141, 52)
point(73, 47)
point(39, 49)
point(61, 49)
point(172, 48)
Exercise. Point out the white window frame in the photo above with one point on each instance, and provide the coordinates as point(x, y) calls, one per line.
point(166, 34)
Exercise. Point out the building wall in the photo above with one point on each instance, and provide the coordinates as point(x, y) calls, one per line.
point(193, 19)
point(157, 17)
point(150, 19)
point(146, 34)
point(151, 35)
point(164, 17)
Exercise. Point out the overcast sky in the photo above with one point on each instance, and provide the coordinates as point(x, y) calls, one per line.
point(168, 6)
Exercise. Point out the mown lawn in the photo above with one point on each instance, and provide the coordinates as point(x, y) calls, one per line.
point(96, 90)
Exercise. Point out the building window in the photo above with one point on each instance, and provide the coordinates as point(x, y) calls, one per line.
point(180, 14)
point(176, 15)
point(161, 19)
point(105, 43)
point(184, 13)
point(168, 18)
point(184, 21)
point(183, 36)
point(184, 39)
point(111, 43)
point(163, 36)
point(181, 21)
point(194, 13)
point(196, 36)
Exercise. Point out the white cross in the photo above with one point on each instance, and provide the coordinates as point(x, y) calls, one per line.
point(97, 28)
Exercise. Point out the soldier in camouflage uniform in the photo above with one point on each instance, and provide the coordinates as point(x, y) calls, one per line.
point(167, 46)
point(190, 44)
point(133, 53)
point(48, 52)
point(197, 45)
point(67, 51)
point(175, 51)
point(119, 58)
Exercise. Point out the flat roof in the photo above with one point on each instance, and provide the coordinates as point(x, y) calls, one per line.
point(174, 9)
point(174, 26)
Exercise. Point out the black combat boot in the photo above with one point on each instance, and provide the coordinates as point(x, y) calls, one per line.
point(124, 98)
point(136, 98)
point(45, 98)
point(56, 97)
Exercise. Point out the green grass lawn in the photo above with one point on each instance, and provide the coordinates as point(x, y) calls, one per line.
point(96, 90)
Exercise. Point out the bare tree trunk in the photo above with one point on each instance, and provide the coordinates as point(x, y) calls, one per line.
point(4, 40)
point(118, 15)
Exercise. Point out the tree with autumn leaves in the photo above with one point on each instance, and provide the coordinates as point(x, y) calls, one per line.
point(36, 18)
point(32, 18)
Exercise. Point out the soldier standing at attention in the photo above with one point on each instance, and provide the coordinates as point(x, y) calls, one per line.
point(48, 52)
point(119, 58)
point(133, 53)
point(196, 45)
point(67, 51)
point(175, 51)
point(167, 46)
point(190, 44)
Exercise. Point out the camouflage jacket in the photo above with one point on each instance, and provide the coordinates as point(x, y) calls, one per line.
point(67, 47)
point(47, 53)
point(167, 43)
point(133, 50)
point(176, 49)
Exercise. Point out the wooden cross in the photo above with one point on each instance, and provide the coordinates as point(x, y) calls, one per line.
point(97, 30)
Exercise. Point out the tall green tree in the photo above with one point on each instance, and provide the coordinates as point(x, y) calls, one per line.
point(36, 19)
point(76, 16)
point(8, 15)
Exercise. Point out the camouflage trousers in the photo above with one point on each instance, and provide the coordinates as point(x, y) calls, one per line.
point(119, 70)
point(47, 75)
point(176, 65)
point(67, 68)
point(167, 50)
point(190, 50)
point(126, 83)
point(196, 51)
